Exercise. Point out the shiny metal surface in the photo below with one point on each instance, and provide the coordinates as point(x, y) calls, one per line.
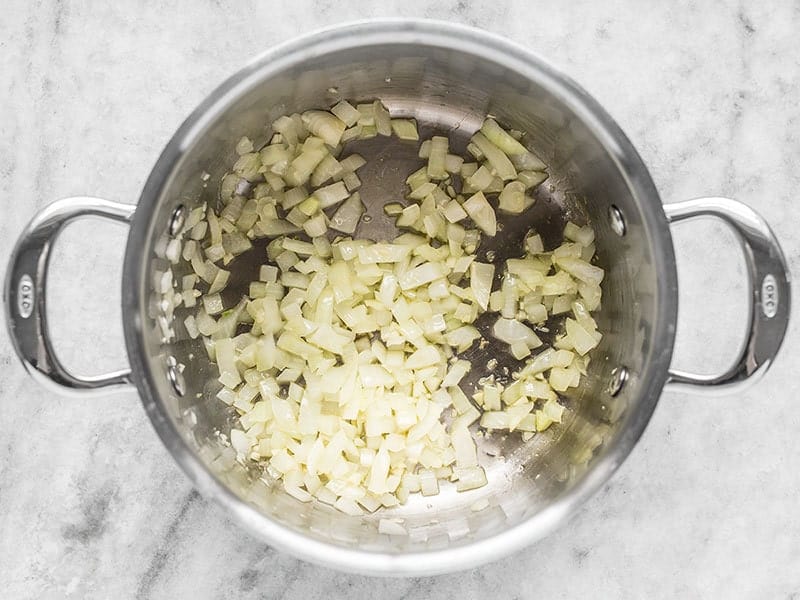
point(770, 301)
point(25, 300)
point(449, 78)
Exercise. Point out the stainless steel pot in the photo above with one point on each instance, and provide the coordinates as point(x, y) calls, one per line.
point(449, 77)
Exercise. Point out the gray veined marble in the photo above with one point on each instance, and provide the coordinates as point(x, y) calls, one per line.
point(91, 505)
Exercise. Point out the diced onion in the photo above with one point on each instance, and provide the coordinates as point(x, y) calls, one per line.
point(480, 281)
point(480, 211)
point(469, 478)
point(500, 138)
point(324, 125)
point(437, 160)
point(496, 157)
point(343, 359)
point(348, 215)
point(405, 129)
point(346, 113)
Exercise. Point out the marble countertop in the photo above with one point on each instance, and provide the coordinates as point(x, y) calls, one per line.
point(92, 505)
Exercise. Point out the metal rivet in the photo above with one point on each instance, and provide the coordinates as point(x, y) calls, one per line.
point(618, 378)
point(175, 376)
point(617, 220)
point(177, 219)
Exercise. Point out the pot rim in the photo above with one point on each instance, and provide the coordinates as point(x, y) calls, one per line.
point(525, 63)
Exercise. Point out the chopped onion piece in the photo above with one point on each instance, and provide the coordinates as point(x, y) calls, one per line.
point(212, 303)
point(220, 281)
point(496, 157)
point(527, 162)
point(512, 198)
point(383, 123)
point(331, 194)
point(437, 160)
point(468, 170)
point(351, 181)
point(367, 132)
point(456, 373)
point(405, 129)
point(424, 357)
point(276, 227)
point(383, 253)
point(421, 275)
point(429, 486)
point(464, 446)
point(512, 331)
point(453, 211)
point(352, 163)
point(580, 338)
point(479, 180)
point(423, 190)
point(500, 138)
point(329, 168)
point(393, 209)
point(531, 179)
point(409, 216)
point(469, 478)
point(480, 211)
point(581, 270)
point(248, 166)
point(520, 350)
point(348, 215)
point(453, 163)
point(463, 337)
point(346, 113)
point(480, 281)
point(324, 125)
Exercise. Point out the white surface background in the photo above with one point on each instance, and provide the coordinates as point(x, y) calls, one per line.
point(92, 506)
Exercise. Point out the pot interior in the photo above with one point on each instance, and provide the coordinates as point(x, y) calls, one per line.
point(448, 85)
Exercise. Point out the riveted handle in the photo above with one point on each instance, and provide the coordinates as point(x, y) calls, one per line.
point(768, 289)
point(25, 295)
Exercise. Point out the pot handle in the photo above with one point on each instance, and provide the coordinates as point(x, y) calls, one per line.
point(769, 293)
point(25, 287)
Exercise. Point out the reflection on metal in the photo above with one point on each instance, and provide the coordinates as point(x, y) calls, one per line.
point(617, 220)
point(175, 376)
point(618, 378)
point(177, 219)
